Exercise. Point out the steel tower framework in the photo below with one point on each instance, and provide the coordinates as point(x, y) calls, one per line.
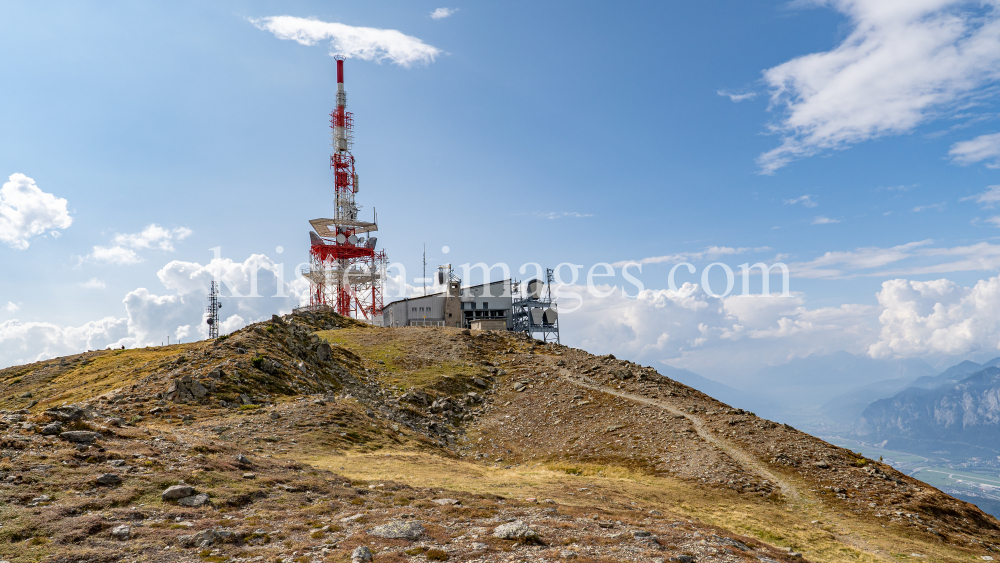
point(346, 272)
point(213, 310)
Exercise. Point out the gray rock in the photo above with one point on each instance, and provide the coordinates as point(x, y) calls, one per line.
point(185, 389)
point(52, 429)
point(516, 530)
point(361, 555)
point(66, 413)
point(823, 465)
point(519, 387)
point(242, 460)
point(80, 436)
point(641, 534)
point(682, 559)
point(731, 542)
point(398, 530)
point(446, 501)
point(122, 532)
point(116, 462)
point(177, 492)
point(109, 479)
point(324, 352)
point(204, 538)
point(194, 500)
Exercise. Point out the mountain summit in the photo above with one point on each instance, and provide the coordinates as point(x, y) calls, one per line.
point(316, 438)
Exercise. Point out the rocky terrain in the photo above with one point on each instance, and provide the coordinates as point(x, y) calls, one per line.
point(315, 438)
point(956, 419)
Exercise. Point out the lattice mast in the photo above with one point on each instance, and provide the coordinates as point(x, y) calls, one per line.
point(213, 310)
point(346, 272)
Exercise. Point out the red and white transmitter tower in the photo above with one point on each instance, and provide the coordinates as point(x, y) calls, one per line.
point(345, 271)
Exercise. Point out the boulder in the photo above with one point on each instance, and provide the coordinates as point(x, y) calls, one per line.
point(324, 352)
point(109, 479)
point(122, 532)
point(516, 530)
point(398, 530)
point(177, 492)
point(185, 388)
point(194, 501)
point(80, 436)
point(66, 413)
point(361, 555)
point(52, 429)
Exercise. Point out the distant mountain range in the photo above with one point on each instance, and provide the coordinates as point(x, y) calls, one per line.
point(960, 419)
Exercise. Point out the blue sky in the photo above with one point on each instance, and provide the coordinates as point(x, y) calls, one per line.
point(561, 132)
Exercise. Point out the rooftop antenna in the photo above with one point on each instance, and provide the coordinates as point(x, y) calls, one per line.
point(425, 268)
point(213, 311)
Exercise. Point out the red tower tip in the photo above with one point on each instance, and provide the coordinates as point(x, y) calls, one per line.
point(340, 72)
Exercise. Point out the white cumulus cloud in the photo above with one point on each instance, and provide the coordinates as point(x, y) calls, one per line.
point(367, 43)
point(903, 63)
point(937, 317)
point(442, 13)
point(822, 220)
point(124, 246)
point(27, 211)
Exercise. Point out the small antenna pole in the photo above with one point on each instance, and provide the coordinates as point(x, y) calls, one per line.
point(425, 268)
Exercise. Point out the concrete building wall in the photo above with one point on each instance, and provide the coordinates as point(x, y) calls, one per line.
point(457, 306)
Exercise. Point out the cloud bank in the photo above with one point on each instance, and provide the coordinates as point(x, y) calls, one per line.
point(252, 290)
point(367, 43)
point(26, 211)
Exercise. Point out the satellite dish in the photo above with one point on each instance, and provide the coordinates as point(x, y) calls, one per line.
point(210, 322)
point(353, 239)
point(341, 238)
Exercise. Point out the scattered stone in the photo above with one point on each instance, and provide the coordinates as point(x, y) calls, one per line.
point(274, 415)
point(682, 559)
point(361, 555)
point(116, 462)
point(446, 501)
point(398, 530)
point(516, 530)
point(194, 501)
point(109, 479)
point(249, 475)
point(478, 546)
point(52, 429)
point(823, 465)
point(177, 492)
point(351, 519)
point(519, 387)
point(641, 534)
point(122, 532)
point(80, 436)
point(242, 460)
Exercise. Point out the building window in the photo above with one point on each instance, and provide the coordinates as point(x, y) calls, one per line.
point(486, 305)
point(414, 309)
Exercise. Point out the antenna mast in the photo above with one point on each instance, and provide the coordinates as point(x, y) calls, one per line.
point(213, 311)
point(345, 271)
